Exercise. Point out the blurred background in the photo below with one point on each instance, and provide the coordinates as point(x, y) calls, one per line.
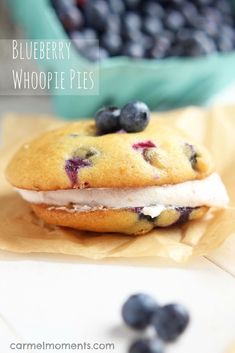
point(168, 53)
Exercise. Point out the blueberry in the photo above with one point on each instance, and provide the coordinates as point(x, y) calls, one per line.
point(192, 154)
point(97, 12)
point(62, 5)
point(210, 28)
point(71, 18)
point(112, 42)
point(132, 4)
point(134, 50)
point(131, 23)
point(154, 9)
point(189, 10)
point(88, 34)
point(114, 23)
point(94, 53)
point(197, 44)
point(117, 6)
point(147, 346)
point(212, 14)
point(72, 167)
point(152, 25)
point(132, 36)
point(174, 20)
point(84, 39)
point(225, 44)
point(138, 310)
point(107, 120)
point(134, 117)
point(204, 2)
point(160, 48)
point(184, 214)
point(170, 321)
point(224, 6)
point(146, 41)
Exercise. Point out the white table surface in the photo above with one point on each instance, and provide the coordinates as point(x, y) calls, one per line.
point(63, 299)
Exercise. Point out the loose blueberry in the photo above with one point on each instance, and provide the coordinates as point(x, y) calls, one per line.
point(138, 310)
point(170, 321)
point(107, 120)
point(134, 117)
point(147, 346)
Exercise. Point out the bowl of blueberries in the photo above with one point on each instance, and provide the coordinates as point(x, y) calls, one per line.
point(168, 53)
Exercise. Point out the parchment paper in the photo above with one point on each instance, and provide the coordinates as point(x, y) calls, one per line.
point(21, 231)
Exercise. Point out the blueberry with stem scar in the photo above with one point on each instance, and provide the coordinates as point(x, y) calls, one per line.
point(170, 321)
point(107, 120)
point(138, 309)
point(134, 117)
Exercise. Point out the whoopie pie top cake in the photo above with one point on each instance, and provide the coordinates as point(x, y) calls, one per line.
point(119, 173)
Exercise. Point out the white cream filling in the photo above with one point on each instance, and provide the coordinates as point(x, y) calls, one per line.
point(154, 199)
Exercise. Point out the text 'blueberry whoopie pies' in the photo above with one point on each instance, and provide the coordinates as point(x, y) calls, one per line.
point(122, 172)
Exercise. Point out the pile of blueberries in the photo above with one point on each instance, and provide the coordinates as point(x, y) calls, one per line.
point(141, 311)
point(153, 29)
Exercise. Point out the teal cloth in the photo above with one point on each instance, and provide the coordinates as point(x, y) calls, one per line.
point(162, 84)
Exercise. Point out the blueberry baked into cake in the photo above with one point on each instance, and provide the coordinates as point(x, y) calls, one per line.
point(122, 172)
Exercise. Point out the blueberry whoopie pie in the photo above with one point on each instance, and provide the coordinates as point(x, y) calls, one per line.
point(126, 182)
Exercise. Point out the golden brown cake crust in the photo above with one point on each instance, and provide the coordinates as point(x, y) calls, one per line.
point(74, 157)
point(128, 221)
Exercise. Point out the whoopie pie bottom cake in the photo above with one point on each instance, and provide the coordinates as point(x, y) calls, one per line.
point(129, 221)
